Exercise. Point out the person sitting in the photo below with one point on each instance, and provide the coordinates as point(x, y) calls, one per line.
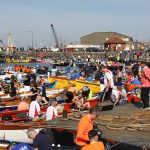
point(27, 80)
point(1, 86)
point(68, 68)
point(34, 109)
point(87, 93)
point(51, 112)
point(44, 97)
point(34, 91)
point(54, 71)
point(21, 146)
point(82, 76)
point(94, 143)
point(40, 80)
point(130, 77)
point(79, 102)
point(40, 140)
point(13, 89)
point(119, 75)
point(90, 78)
point(75, 75)
point(84, 126)
point(23, 105)
point(136, 81)
point(5, 87)
point(119, 96)
point(70, 93)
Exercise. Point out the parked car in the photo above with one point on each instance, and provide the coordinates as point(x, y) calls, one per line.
point(92, 49)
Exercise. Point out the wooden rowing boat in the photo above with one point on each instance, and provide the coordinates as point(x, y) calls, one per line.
point(63, 81)
point(14, 115)
point(118, 139)
point(11, 103)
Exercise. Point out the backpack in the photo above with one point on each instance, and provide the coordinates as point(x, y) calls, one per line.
point(49, 133)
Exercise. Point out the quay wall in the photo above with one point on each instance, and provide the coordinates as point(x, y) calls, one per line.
point(63, 54)
point(69, 55)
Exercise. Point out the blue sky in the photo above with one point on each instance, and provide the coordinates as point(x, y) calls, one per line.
point(72, 19)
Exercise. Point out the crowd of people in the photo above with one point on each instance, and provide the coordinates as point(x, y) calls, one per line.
point(115, 90)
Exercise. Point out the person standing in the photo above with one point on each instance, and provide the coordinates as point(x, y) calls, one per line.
point(84, 126)
point(108, 82)
point(145, 82)
point(94, 143)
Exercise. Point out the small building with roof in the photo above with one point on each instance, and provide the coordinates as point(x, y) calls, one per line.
point(115, 44)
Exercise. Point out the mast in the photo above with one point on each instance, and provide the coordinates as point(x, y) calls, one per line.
point(10, 46)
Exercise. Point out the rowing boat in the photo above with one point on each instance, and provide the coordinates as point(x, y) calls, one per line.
point(9, 128)
point(112, 139)
point(12, 114)
point(63, 81)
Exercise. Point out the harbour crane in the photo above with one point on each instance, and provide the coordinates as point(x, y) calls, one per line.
point(55, 36)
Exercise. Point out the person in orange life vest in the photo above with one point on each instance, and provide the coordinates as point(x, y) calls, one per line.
point(23, 105)
point(79, 102)
point(84, 126)
point(34, 109)
point(23, 69)
point(51, 112)
point(94, 143)
point(15, 68)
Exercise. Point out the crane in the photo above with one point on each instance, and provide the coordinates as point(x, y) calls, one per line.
point(55, 36)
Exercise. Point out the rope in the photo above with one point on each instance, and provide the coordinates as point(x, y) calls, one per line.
point(132, 123)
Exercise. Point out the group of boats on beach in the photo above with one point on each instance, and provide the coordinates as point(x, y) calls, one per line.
point(17, 84)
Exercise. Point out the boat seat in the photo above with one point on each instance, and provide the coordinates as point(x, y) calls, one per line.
point(107, 105)
point(21, 115)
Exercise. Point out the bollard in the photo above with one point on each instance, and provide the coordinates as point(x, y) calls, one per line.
point(64, 114)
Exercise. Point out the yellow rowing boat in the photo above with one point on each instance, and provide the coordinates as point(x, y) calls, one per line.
point(63, 82)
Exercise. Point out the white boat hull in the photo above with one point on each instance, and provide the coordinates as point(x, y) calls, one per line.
point(16, 135)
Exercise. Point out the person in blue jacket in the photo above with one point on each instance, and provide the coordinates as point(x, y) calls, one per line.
point(21, 146)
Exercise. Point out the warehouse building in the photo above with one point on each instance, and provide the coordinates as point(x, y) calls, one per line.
point(108, 40)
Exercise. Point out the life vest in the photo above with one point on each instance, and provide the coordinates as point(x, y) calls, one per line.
point(54, 116)
point(36, 112)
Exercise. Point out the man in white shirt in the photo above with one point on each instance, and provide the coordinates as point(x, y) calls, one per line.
point(34, 109)
point(108, 81)
point(51, 112)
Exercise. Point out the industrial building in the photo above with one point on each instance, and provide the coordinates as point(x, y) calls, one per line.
point(108, 40)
